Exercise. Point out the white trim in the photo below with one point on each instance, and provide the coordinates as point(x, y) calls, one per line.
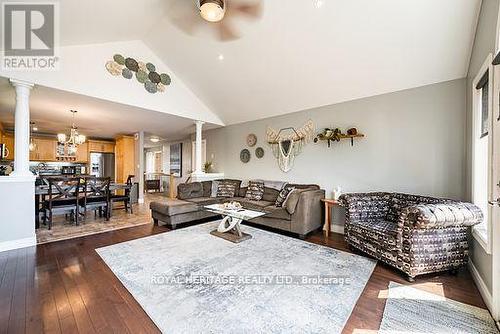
point(16, 244)
point(337, 229)
point(140, 200)
point(483, 289)
point(486, 67)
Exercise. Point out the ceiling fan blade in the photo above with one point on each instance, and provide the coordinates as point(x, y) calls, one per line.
point(184, 14)
point(251, 10)
point(226, 32)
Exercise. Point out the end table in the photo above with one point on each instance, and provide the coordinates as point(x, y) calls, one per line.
point(329, 203)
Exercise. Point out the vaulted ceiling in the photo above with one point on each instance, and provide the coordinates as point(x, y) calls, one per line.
point(300, 54)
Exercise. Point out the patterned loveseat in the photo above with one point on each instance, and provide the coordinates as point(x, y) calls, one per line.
point(415, 234)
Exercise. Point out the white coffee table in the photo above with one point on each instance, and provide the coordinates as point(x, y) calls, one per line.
point(229, 228)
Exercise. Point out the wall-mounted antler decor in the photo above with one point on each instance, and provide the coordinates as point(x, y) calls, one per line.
point(287, 143)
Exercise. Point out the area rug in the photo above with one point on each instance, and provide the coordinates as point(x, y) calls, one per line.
point(189, 281)
point(411, 310)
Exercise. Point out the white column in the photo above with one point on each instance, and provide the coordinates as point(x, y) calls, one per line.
point(22, 128)
point(198, 169)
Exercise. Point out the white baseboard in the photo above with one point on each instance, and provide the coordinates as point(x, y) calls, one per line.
point(338, 229)
point(19, 243)
point(483, 289)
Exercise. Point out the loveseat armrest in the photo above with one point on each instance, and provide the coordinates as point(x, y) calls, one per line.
point(427, 216)
point(307, 214)
point(363, 206)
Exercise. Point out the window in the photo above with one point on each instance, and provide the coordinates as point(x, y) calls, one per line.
point(481, 149)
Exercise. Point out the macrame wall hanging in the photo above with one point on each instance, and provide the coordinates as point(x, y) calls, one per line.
point(287, 143)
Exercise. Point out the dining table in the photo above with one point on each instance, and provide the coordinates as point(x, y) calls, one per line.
point(42, 190)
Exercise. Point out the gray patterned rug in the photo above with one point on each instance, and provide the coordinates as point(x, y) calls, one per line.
point(189, 281)
point(410, 310)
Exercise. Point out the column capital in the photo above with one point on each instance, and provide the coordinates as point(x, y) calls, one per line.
point(21, 83)
point(199, 122)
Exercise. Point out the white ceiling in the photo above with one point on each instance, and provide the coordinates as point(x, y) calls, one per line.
point(299, 56)
point(296, 57)
point(96, 118)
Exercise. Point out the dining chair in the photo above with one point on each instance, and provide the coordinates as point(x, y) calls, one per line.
point(96, 195)
point(62, 198)
point(125, 197)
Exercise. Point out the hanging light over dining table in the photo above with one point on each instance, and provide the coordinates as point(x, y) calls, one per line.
point(74, 139)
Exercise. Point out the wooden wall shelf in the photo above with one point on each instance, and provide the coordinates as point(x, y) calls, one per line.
point(341, 136)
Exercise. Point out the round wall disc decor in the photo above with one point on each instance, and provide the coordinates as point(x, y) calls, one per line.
point(259, 152)
point(245, 156)
point(251, 140)
point(145, 73)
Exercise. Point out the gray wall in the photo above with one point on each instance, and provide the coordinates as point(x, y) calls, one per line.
point(414, 143)
point(483, 45)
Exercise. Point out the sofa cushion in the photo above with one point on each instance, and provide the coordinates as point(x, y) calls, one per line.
point(252, 205)
point(255, 190)
point(304, 186)
point(242, 192)
point(292, 199)
point(381, 234)
point(282, 196)
point(207, 188)
point(270, 194)
point(226, 188)
point(172, 207)
point(277, 213)
point(202, 201)
point(189, 190)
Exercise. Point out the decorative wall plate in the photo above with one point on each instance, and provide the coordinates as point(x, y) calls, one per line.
point(251, 140)
point(119, 59)
point(259, 152)
point(127, 74)
point(245, 156)
point(114, 68)
point(131, 64)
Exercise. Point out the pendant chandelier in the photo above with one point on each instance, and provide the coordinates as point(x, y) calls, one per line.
point(74, 139)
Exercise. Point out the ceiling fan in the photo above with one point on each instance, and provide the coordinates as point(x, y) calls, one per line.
point(217, 15)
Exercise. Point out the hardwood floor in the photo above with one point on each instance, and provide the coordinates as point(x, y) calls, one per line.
point(64, 287)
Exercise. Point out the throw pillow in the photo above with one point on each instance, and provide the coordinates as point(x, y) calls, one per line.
point(226, 189)
point(283, 196)
point(215, 186)
point(255, 190)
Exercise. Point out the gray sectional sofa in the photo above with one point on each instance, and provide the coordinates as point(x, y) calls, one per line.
point(300, 214)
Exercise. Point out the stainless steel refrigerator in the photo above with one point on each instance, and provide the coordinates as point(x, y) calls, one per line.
point(102, 165)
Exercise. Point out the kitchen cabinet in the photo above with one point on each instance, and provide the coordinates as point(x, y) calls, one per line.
point(45, 149)
point(8, 140)
point(82, 153)
point(124, 158)
point(101, 146)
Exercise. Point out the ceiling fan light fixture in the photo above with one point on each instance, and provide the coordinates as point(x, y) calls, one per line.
point(154, 139)
point(212, 10)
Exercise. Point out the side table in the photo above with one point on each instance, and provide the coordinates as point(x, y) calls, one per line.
point(329, 203)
